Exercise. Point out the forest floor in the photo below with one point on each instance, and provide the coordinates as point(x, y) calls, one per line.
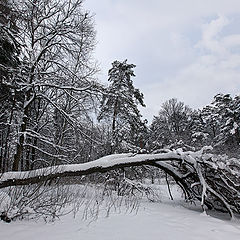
point(167, 220)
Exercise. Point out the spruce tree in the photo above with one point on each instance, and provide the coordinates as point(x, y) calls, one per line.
point(227, 111)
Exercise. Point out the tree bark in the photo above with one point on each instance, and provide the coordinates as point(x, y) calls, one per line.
point(35, 176)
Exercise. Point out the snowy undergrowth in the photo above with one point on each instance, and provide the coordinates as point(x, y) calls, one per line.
point(51, 202)
point(91, 200)
point(164, 219)
point(35, 202)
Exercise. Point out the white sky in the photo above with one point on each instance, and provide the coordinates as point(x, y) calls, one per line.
point(188, 49)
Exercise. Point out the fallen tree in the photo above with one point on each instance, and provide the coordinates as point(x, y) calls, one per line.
point(211, 179)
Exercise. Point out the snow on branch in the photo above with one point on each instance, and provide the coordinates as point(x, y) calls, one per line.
point(103, 164)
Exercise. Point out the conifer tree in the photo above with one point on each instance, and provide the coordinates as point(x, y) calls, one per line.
point(227, 110)
point(120, 105)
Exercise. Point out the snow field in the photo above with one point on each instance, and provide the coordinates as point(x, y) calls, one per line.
point(167, 220)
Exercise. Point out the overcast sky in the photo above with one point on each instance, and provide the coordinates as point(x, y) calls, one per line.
point(188, 49)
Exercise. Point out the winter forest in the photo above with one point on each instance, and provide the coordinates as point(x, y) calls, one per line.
point(70, 143)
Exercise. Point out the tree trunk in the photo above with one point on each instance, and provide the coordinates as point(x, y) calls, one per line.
point(114, 134)
point(19, 151)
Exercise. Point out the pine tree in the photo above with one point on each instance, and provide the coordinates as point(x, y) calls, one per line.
point(120, 105)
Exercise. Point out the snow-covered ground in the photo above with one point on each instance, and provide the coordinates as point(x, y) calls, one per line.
point(153, 221)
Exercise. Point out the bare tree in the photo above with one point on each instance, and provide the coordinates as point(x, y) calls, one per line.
point(9, 97)
point(56, 77)
point(172, 123)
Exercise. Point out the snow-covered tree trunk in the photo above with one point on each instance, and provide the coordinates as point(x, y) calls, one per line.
point(197, 173)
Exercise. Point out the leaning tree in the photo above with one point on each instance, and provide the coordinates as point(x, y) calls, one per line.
point(211, 179)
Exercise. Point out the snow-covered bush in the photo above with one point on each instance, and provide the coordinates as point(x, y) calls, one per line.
point(35, 201)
